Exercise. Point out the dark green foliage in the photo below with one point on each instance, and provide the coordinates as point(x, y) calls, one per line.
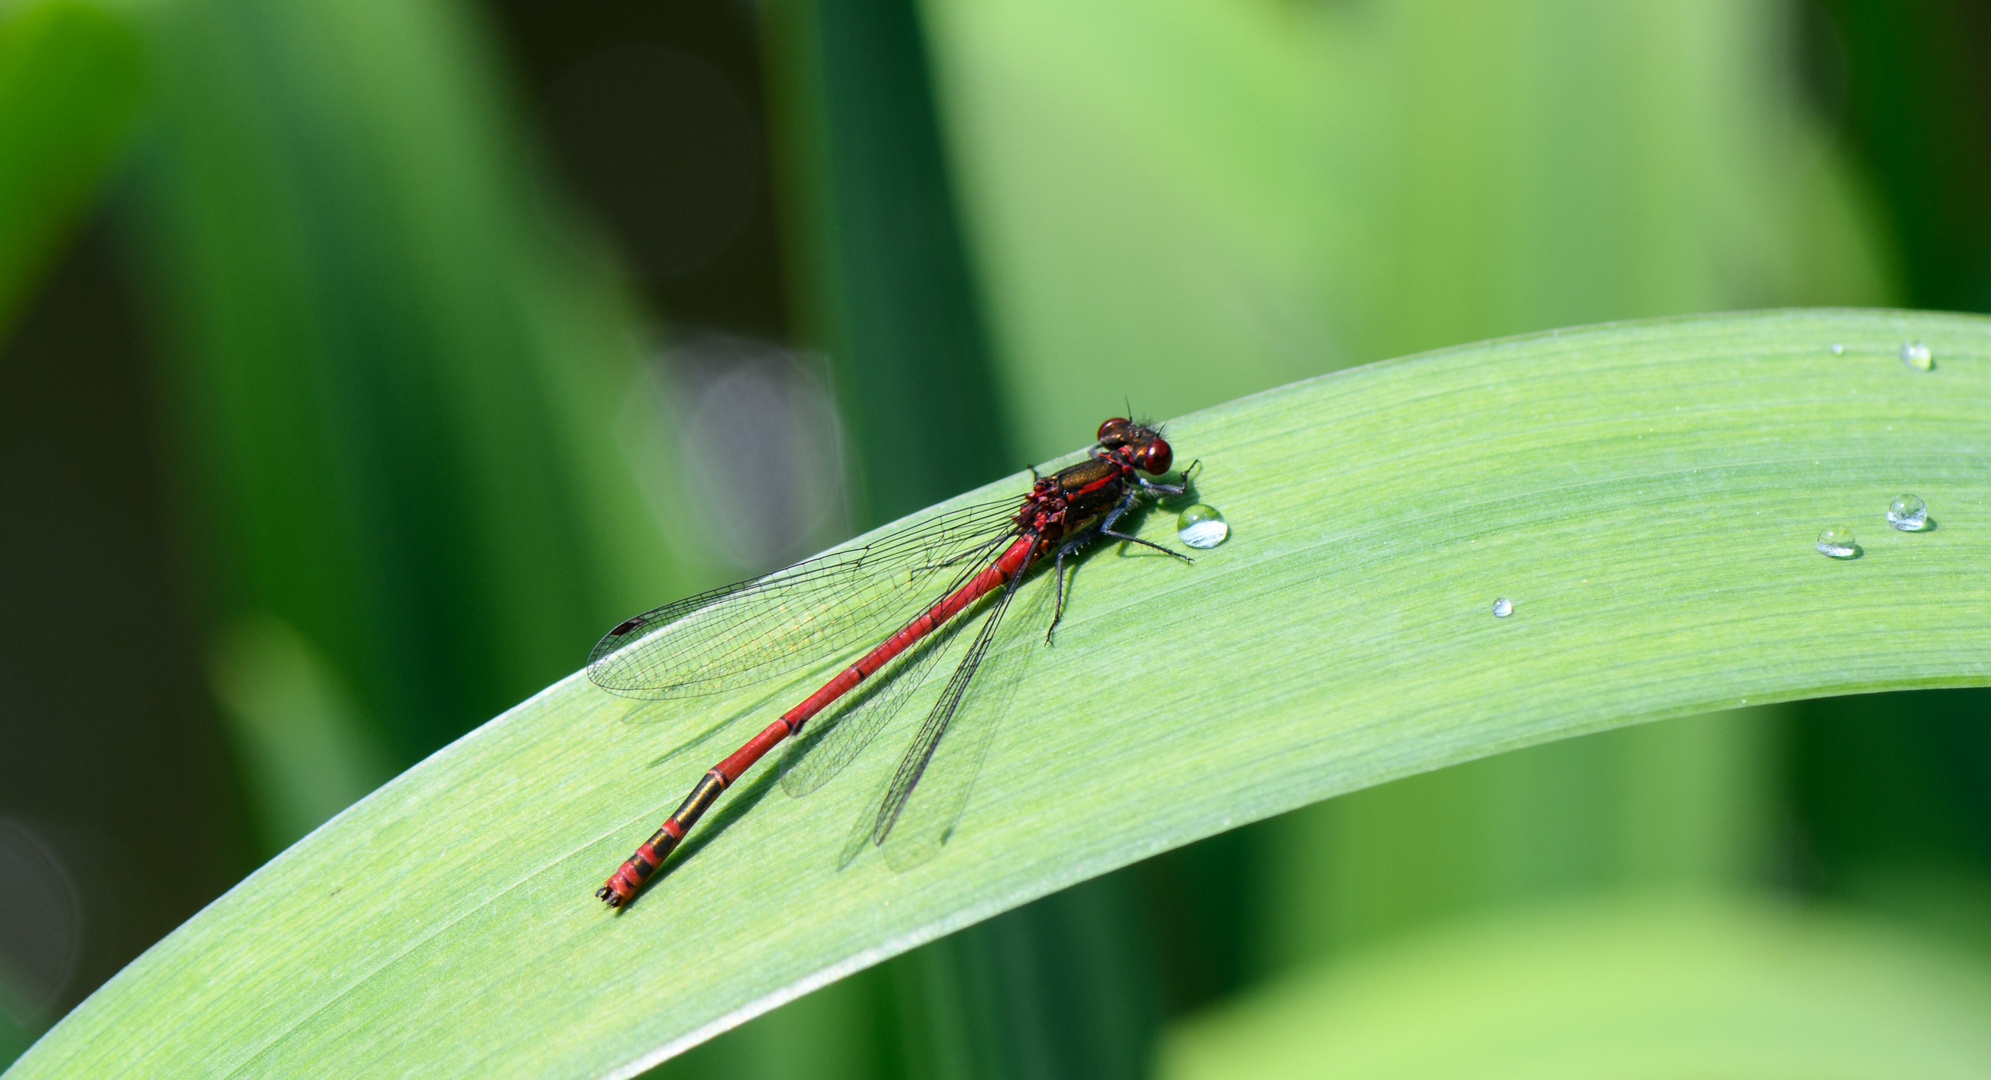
point(71, 78)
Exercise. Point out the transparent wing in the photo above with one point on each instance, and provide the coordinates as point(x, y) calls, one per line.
point(766, 627)
point(912, 829)
point(833, 741)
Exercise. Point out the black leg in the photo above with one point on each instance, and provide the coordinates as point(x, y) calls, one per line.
point(1113, 516)
point(1063, 582)
point(1104, 527)
point(1125, 504)
point(1058, 607)
point(1182, 488)
point(1145, 544)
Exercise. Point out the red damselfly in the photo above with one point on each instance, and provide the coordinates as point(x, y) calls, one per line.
point(896, 592)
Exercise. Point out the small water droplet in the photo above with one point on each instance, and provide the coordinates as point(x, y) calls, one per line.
point(1908, 513)
point(1502, 608)
point(1837, 541)
point(1916, 355)
point(1838, 349)
point(1201, 527)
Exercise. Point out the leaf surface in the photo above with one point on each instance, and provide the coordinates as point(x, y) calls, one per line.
point(1645, 494)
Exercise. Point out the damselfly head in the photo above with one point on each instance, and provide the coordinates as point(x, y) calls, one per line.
point(1145, 445)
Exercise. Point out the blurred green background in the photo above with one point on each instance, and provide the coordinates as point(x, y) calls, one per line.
point(363, 361)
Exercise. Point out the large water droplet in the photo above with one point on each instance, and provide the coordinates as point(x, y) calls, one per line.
point(1908, 513)
point(1837, 541)
point(1201, 527)
point(1502, 608)
point(1916, 355)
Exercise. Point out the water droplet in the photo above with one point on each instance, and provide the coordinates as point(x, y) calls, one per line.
point(1502, 608)
point(1838, 542)
point(1838, 349)
point(1916, 355)
point(1908, 513)
point(1201, 527)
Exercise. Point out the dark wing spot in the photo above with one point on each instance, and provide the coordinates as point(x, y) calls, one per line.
point(625, 626)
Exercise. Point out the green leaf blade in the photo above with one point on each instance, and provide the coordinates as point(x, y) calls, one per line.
point(1682, 985)
point(72, 75)
point(1646, 494)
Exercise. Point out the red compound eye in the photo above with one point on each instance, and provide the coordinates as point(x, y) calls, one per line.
point(1113, 432)
point(1157, 458)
